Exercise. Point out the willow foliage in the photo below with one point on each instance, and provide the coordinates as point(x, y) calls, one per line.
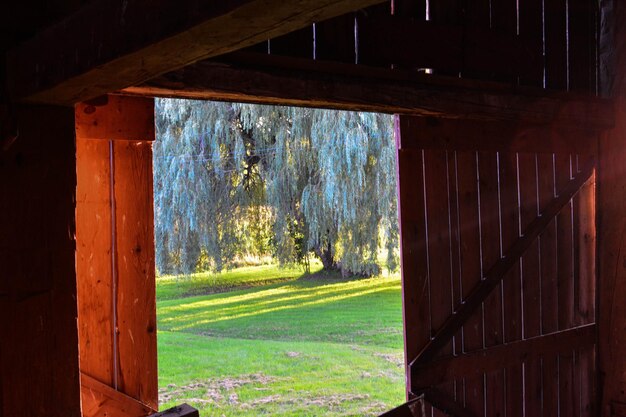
point(227, 175)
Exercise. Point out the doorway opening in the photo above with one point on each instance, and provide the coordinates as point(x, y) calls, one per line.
point(278, 284)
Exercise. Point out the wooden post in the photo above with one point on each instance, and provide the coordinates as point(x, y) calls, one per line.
point(38, 333)
point(611, 209)
point(115, 254)
point(612, 261)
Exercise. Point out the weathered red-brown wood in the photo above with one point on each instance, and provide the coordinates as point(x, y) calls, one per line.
point(531, 280)
point(491, 251)
point(115, 253)
point(565, 276)
point(512, 285)
point(415, 284)
point(39, 354)
point(494, 274)
point(584, 212)
point(413, 408)
point(549, 282)
point(438, 245)
point(136, 303)
point(445, 405)
point(116, 118)
point(497, 357)
point(93, 260)
point(131, 42)
point(267, 79)
point(612, 258)
point(100, 400)
point(506, 137)
point(469, 239)
point(455, 256)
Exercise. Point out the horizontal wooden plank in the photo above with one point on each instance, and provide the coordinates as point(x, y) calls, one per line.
point(472, 135)
point(498, 357)
point(116, 118)
point(446, 404)
point(496, 273)
point(107, 45)
point(183, 410)
point(257, 78)
point(100, 400)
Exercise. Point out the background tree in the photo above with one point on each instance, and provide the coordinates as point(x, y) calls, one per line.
point(324, 181)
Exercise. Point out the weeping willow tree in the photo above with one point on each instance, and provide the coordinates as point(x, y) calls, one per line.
point(234, 178)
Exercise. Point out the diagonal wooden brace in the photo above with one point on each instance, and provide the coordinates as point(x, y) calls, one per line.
point(499, 270)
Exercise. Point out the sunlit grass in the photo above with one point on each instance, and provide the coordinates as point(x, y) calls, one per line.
point(178, 286)
point(315, 346)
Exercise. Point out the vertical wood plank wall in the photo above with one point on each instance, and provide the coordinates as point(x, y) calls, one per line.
point(467, 191)
point(115, 246)
point(39, 349)
point(548, 44)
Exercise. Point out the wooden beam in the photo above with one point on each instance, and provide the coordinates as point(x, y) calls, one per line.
point(106, 46)
point(500, 269)
point(500, 136)
point(116, 118)
point(100, 400)
point(492, 359)
point(257, 78)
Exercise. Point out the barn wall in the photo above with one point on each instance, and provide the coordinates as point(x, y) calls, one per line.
point(612, 218)
point(39, 349)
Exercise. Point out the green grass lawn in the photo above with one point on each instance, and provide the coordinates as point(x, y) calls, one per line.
point(310, 346)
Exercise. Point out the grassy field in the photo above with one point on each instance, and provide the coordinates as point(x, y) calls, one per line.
point(301, 346)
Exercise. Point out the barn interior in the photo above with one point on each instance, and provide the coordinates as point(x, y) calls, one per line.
point(516, 106)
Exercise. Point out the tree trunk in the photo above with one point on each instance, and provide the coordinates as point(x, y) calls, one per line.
point(327, 258)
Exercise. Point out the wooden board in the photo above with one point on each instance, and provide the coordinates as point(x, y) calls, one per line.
point(611, 259)
point(441, 289)
point(93, 260)
point(531, 280)
point(469, 240)
point(100, 400)
point(136, 297)
point(508, 178)
point(116, 118)
point(491, 251)
point(39, 357)
point(415, 282)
